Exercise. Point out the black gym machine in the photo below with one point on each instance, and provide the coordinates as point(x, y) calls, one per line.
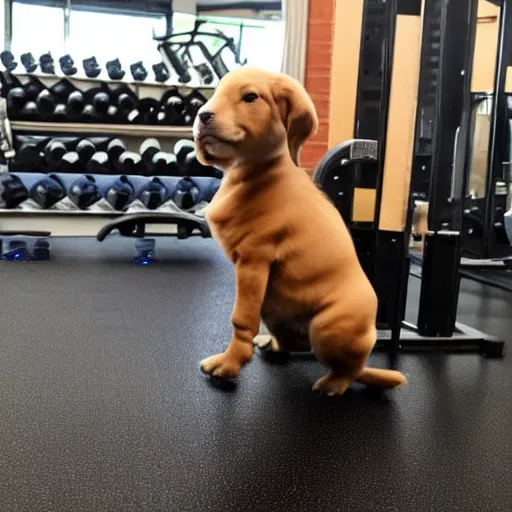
point(365, 166)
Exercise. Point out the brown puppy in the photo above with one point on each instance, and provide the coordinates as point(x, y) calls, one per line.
point(296, 266)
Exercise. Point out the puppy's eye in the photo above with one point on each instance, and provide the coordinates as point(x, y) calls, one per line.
point(250, 97)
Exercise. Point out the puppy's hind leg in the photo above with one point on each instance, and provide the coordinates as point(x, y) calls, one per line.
point(345, 358)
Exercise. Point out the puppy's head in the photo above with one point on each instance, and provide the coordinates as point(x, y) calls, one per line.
point(254, 116)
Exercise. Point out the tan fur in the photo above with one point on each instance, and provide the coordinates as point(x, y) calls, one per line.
point(295, 262)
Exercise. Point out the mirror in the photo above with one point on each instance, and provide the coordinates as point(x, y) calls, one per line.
point(215, 35)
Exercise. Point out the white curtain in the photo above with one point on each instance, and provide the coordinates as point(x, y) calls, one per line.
point(295, 17)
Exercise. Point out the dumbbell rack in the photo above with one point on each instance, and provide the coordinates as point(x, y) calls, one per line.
point(89, 222)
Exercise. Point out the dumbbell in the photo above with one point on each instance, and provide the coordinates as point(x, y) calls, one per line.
point(67, 65)
point(99, 163)
point(145, 113)
point(192, 167)
point(29, 150)
point(44, 190)
point(153, 194)
point(138, 71)
point(182, 148)
point(205, 73)
point(91, 67)
point(118, 192)
point(157, 161)
point(208, 187)
point(85, 150)
point(81, 190)
point(7, 59)
point(46, 64)
point(28, 62)
point(12, 191)
point(16, 99)
point(161, 72)
point(114, 70)
point(174, 108)
point(125, 101)
point(193, 102)
point(99, 98)
point(60, 159)
point(187, 194)
point(130, 163)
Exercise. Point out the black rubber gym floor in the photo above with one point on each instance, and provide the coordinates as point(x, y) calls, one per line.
point(103, 407)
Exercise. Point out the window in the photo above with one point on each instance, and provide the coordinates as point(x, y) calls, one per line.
point(261, 42)
point(37, 29)
point(107, 36)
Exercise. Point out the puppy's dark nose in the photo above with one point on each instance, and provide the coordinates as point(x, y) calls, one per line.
point(206, 117)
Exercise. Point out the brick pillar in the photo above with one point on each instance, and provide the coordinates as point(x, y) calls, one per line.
point(318, 75)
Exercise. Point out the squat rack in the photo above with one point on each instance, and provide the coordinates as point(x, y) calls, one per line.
point(423, 85)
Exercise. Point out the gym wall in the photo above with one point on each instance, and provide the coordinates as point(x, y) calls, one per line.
point(318, 75)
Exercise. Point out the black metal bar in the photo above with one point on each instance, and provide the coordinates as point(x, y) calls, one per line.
point(499, 137)
point(440, 283)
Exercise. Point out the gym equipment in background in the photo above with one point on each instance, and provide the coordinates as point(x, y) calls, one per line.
point(158, 162)
point(63, 102)
point(114, 69)
point(28, 62)
point(24, 245)
point(12, 191)
point(67, 65)
point(8, 61)
point(118, 191)
point(176, 48)
point(46, 63)
point(44, 190)
point(91, 67)
point(106, 155)
point(138, 71)
point(81, 190)
point(161, 72)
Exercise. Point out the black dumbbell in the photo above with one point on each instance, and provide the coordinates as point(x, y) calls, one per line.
point(114, 70)
point(85, 150)
point(33, 87)
point(187, 194)
point(157, 161)
point(16, 99)
point(28, 62)
point(30, 111)
point(174, 108)
point(7, 59)
point(46, 64)
point(130, 163)
point(61, 90)
point(29, 150)
point(125, 100)
point(153, 194)
point(161, 72)
point(75, 105)
point(193, 102)
point(119, 193)
point(46, 103)
point(138, 71)
point(81, 190)
point(44, 190)
point(146, 112)
point(99, 98)
point(192, 167)
point(53, 152)
point(182, 148)
point(205, 73)
point(99, 163)
point(115, 148)
point(12, 191)
point(67, 65)
point(91, 67)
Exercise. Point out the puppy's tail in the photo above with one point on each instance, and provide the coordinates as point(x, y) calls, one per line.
point(382, 378)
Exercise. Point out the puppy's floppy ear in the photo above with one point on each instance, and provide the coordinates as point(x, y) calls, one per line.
point(297, 112)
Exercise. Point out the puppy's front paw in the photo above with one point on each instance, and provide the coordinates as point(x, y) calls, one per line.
point(221, 366)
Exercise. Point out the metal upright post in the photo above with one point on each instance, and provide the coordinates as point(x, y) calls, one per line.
point(499, 144)
point(440, 282)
